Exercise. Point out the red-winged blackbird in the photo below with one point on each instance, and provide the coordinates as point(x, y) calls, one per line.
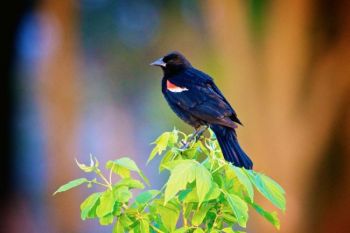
point(195, 98)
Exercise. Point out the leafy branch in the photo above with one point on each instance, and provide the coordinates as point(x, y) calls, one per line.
point(203, 193)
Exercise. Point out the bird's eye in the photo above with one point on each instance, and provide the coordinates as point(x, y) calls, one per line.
point(171, 58)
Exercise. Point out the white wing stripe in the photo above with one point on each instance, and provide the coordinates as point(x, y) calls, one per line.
point(177, 89)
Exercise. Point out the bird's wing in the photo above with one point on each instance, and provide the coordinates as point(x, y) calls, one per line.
point(202, 101)
point(210, 82)
point(234, 115)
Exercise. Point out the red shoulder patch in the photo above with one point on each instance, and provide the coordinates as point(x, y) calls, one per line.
point(173, 88)
point(170, 85)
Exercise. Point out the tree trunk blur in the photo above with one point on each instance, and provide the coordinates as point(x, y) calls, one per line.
point(289, 89)
point(58, 97)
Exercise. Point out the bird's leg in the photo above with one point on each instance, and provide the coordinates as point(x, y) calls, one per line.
point(196, 135)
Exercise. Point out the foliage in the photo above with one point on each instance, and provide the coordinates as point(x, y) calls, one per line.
point(204, 193)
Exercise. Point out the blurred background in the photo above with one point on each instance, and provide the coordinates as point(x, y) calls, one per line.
point(76, 81)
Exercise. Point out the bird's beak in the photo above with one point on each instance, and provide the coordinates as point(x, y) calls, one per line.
point(158, 62)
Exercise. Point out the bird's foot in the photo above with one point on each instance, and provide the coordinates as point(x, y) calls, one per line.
point(197, 134)
point(185, 145)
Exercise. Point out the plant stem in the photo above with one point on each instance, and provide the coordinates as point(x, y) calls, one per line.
point(218, 169)
point(150, 200)
point(98, 172)
point(222, 164)
point(183, 215)
point(99, 183)
point(160, 191)
point(216, 216)
point(110, 174)
point(183, 134)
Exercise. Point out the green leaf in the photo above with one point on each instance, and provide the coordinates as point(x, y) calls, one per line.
point(152, 154)
point(130, 183)
point(88, 207)
point(93, 164)
point(117, 209)
point(203, 148)
point(183, 173)
point(188, 195)
point(106, 204)
point(122, 194)
point(106, 220)
point(174, 137)
point(198, 230)
point(146, 196)
point(214, 192)
point(181, 230)
point(269, 189)
point(169, 214)
point(229, 218)
point(203, 182)
point(244, 180)
point(144, 226)
point(214, 231)
point(161, 144)
point(239, 208)
point(125, 220)
point(162, 141)
point(121, 171)
point(193, 151)
point(188, 209)
point(200, 214)
point(192, 196)
point(128, 164)
point(166, 158)
point(71, 184)
point(228, 230)
point(272, 217)
point(118, 227)
point(172, 164)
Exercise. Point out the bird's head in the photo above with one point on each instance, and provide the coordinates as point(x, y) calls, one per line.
point(172, 62)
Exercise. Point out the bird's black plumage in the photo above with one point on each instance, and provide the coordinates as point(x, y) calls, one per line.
point(195, 98)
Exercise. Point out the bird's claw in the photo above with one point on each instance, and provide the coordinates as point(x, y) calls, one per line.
point(185, 146)
point(193, 137)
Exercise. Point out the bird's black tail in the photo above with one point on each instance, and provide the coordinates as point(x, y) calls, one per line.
point(230, 147)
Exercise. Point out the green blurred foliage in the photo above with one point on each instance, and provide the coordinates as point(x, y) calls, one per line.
point(207, 193)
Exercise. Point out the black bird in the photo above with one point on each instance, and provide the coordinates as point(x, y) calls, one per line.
point(195, 98)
